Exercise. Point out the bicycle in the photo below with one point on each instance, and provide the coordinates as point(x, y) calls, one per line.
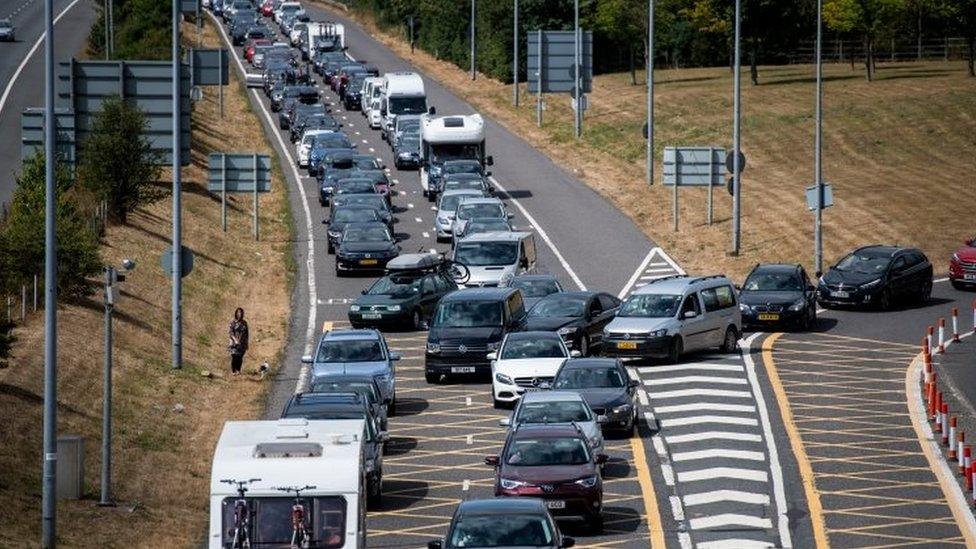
point(300, 536)
point(242, 513)
point(455, 270)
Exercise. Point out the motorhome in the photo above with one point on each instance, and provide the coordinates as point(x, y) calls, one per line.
point(443, 138)
point(322, 35)
point(403, 93)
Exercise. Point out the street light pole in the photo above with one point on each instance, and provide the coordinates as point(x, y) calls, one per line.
point(818, 150)
point(515, 58)
point(472, 40)
point(577, 115)
point(106, 497)
point(177, 274)
point(650, 93)
point(737, 108)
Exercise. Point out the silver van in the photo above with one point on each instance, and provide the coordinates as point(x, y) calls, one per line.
point(675, 315)
point(495, 258)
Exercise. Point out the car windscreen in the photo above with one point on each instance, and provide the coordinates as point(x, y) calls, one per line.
point(368, 390)
point(467, 211)
point(482, 254)
point(463, 184)
point(563, 411)
point(408, 105)
point(486, 226)
point(350, 350)
point(366, 234)
point(547, 452)
point(449, 202)
point(462, 167)
point(560, 305)
point(374, 200)
point(548, 347)
point(536, 288)
point(365, 163)
point(772, 282)
point(468, 314)
point(398, 287)
point(442, 153)
point(332, 140)
point(355, 187)
point(354, 215)
point(650, 306)
point(863, 263)
point(410, 143)
point(496, 530)
point(407, 125)
point(589, 378)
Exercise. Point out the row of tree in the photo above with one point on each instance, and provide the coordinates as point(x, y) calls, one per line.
point(687, 32)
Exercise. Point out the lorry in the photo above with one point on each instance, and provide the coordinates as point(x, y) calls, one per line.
point(403, 93)
point(454, 137)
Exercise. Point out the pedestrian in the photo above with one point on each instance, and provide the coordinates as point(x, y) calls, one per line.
point(238, 334)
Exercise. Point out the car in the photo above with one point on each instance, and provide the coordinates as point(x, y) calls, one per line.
point(404, 123)
point(354, 185)
point(351, 94)
point(549, 407)
point(962, 266)
point(350, 405)
point(500, 523)
point(578, 317)
point(381, 182)
point(363, 384)
point(467, 325)
point(375, 201)
point(778, 294)
point(605, 385)
point(344, 215)
point(341, 164)
point(364, 247)
point(307, 121)
point(449, 167)
point(473, 181)
point(472, 207)
point(374, 116)
point(554, 463)
point(356, 352)
point(251, 48)
point(7, 30)
point(665, 319)
point(526, 361)
point(406, 297)
point(478, 225)
point(446, 209)
point(308, 140)
point(406, 152)
point(534, 286)
point(876, 276)
point(495, 258)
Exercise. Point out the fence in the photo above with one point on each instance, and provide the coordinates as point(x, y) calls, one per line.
point(885, 50)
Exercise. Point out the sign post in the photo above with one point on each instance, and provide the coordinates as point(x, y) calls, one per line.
point(538, 95)
point(223, 193)
point(254, 177)
point(239, 172)
point(692, 167)
point(553, 68)
point(515, 57)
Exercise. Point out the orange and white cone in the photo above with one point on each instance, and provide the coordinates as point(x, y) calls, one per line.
point(941, 336)
point(950, 440)
point(955, 324)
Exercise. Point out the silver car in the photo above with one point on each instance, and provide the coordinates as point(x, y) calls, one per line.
point(483, 207)
point(558, 407)
point(446, 208)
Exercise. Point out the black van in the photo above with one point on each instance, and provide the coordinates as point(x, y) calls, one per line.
point(467, 325)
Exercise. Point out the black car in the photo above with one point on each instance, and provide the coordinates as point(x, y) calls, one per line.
point(305, 121)
point(467, 326)
point(605, 385)
point(406, 152)
point(342, 216)
point(578, 317)
point(375, 201)
point(401, 299)
point(364, 384)
point(365, 247)
point(354, 185)
point(291, 108)
point(316, 406)
point(278, 98)
point(456, 166)
point(381, 182)
point(778, 294)
point(877, 276)
point(534, 286)
point(340, 165)
point(352, 93)
point(467, 181)
point(502, 522)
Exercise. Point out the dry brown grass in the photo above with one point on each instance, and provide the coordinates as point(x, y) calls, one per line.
point(162, 457)
point(899, 153)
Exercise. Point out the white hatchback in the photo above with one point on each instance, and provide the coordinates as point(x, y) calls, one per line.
point(558, 407)
point(526, 361)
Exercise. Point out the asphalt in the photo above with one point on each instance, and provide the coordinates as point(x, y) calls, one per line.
point(70, 36)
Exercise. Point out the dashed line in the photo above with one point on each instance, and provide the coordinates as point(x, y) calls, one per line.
point(713, 473)
point(721, 453)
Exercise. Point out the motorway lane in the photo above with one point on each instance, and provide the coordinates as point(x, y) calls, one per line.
point(71, 34)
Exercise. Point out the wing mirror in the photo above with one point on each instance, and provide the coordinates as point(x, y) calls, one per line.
point(433, 208)
point(434, 543)
point(689, 314)
point(306, 359)
point(364, 291)
point(510, 215)
point(633, 383)
point(504, 422)
point(601, 459)
point(492, 460)
point(575, 354)
point(383, 436)
point(970, 242)
point(566, 542)
point(395, 356)
point(492, 355)
point(431, 110)
point(601, 419)
point(490, 160)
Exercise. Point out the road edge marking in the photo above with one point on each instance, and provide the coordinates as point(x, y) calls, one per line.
point(815, 507)
point(955, 497)
point(655, 526)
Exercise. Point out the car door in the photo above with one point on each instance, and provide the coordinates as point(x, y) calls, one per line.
point(713, 317)
point(693, 330)
point(899, 279)
point(591, 321)
point(428, 296)
point(610, 305)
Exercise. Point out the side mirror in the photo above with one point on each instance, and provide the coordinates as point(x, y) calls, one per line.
point(737, 287)
point(504, 422)
point(487, 174)
point(490, 160)
point(434, 543)
point(492, 355)
point(387, 401)
point(306, 359)
point(811, 288)
point(326, 222)
point(492, 460)
point(970, 242)
point(575, 354)
point(566, 542)
point(510, 215)
point(431, 110)
point(601, 459)
point(395, 356)
point(818, 274)
point(383, 436)
point(364, 291)
point(634, 383)
point(689, 314)
point(433, 208)
point(601, 419)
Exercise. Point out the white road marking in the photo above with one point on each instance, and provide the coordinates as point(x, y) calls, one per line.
point(633, 278)
point(713, 473)
point(713, 435)
point(677, 509)
point(668, 473)
point(715, 367)
point(465, 485)
point(409, 206)
point(659, 446)
point(642, 397)
point(364, 141)
point(722, 453)
point(684, 540)
point(704, 498)
point(730, 519)
point(682, 393)
point(467, 401)
point(685, 380)
point(698, 420)
point(372, 150)
point(419, 220)
point(425, 234)
point(705, 407)
point(470, 440)
point(737, 543)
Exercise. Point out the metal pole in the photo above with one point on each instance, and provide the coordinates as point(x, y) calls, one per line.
point(674, 192)
point(106, 498)
point(737, 108)
point(49, 494)
point(35, 292)
point(111, 29)
point(472, 40)
point(411, 34)
point(538, 95)
point(223, 192)
point(177, 274)
point(817, 143)
point(107, 25)
point(711, 176)
point(650, 93)
point(577, 118)
point(254, 175)
point(220, 87)
point(23, 302)
point(515, 58)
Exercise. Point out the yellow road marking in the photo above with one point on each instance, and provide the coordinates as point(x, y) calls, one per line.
point(806, 471)
point(655, 527)
point(327, 326)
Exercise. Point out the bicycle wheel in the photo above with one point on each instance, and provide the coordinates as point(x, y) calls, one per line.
point(459, 272)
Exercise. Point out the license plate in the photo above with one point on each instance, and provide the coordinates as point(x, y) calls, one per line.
point(555, 504)
point(368, 262)
point(372, 316)
point(462, 369)
point(842, 294)
point(627, 345)
point(968, 276)
point(768, 316)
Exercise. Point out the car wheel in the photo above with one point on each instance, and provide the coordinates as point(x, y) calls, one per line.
point(584, 346)
point(331, 248)
point(925, 292)
point(391, 409)
point(416, 320)
point(337, 271)
point(731, 341)
point(675, 350)
point(884, 301)
point(432, 378)
point(811, 319)
point(958, 285)
point(595, 524)
point(375, 497)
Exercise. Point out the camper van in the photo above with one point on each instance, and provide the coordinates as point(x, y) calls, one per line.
point(403, 93)
point(323, 459)
point(443, 138)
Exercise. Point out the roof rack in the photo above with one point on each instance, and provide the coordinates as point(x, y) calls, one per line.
point(702, 278)
point(667, 277)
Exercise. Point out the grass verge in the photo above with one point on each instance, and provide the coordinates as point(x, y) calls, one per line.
point(166, 422)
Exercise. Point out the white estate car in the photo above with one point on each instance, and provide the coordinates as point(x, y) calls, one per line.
point(558, 407)
point(526, 361)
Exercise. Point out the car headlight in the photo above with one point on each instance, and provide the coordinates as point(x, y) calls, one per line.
point(744, 308)
point(493, 346)
point(443, 220)
point(433, 347)
point(327, 189)
point(798, 305)
point(370, 465)
point(506, 280)
point(394, 308)
point(509, 484)
point(595, 441)
point(335, 234)
point(568, 330)
point(588, 482)
point(502, 378)
point(658, 333)
point(354, 308)
point(821, 280)
point(622, 409)
point(868, 285)
point(383, 378)
point(955, 258)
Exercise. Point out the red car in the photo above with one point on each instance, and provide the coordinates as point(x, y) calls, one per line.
point(251, 47)
point(962, 266)
point(552, 462)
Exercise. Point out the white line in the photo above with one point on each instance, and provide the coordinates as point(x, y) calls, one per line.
point(674, 265)
point(713, 473)
point(425, 234)
point(419, 220)
point(684, 380)
point(722, 453)
point(544, 236)
point(20, 68)
point(713, 435)
point(465, 485)
point(659, 446)
point(730, 519)
point(684, 540)
point(705, 407)
point(682, 393)
point(633, 278)
point(658, 270)
point(698, 420)
point(642, 397)
point(711, 366)
point(676, 509)
point(716, 496)
point(658, 264)
point(779, 492)
point(668, 473)
point(737, 543)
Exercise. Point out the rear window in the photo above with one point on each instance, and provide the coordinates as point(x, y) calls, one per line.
point(272, 526)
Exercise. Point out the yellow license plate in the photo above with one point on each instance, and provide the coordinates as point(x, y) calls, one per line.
point(368, 262)
point(627, 345)
point(768, 316)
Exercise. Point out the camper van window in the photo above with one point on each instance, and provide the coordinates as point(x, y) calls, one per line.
point(272, 520)
point(408, 105)
point(440, 153)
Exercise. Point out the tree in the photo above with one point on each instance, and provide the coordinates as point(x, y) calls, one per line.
point(623, 21)
point(865, 17)
point(963, 14)
point(117, 163)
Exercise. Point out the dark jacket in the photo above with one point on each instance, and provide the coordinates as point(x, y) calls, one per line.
point(238, 333)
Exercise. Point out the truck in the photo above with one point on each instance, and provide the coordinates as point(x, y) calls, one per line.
point(453, 137)
point(403, 93)
point(324, 459)
point(322, 35)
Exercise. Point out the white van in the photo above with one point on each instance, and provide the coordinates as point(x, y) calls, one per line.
point(495, 258)
point(403, 93)
point(372, 89)
point(325, 456)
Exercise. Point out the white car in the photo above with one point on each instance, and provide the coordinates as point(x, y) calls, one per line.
point(483, 207)
point(526, 361)
point(374, 115)
point(446, 208)
point(558, 407)
point(304, 145)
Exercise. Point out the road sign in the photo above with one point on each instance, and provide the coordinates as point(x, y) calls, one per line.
point(239, 171)
point(729, 159)
point(693, 166)
point(85, 85)
point(558, 59)
point(209, 66)
point(189, 6)
point(828, 197)
point(186, 261)
point(32, 133)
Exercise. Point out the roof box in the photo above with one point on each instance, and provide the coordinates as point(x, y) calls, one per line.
point(415, 262)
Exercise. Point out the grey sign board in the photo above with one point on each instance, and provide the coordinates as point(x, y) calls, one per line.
point(84, 85)
point(186, 261)
point(694, 166)
point(32, 133)
point(557, 58)
point(189, 6)
point(828, 197)
point(209, 66)
point(238, 172)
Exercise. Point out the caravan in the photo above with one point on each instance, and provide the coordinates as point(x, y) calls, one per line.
point(444, 138)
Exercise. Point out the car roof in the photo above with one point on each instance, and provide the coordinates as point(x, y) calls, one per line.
point(551, 396)
point(501, 506)
point(344, 377)
point(880, 250)
point(533, 276)
point(481, 200)
point(591, 362)
point(463, 161)
point(334, 335)
point(776, 267)
point(533, 334)
point(680, 284)
point(546, 430)
point(494, 236)
point(461, 192)
point(479, 294)
point(586, 294)
point(365, 225)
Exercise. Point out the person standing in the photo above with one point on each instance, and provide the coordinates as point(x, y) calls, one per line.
point(238, 334)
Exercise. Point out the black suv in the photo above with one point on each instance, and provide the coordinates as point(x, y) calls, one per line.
point(778, 294)
point(877, 276)
point(467, 325)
